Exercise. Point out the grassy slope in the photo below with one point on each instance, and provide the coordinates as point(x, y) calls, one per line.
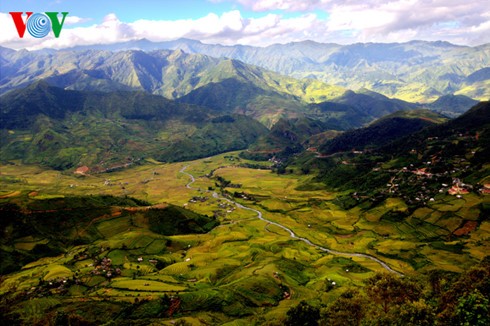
point(51, 225)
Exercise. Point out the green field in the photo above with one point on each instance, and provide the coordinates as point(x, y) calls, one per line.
point(243, 270)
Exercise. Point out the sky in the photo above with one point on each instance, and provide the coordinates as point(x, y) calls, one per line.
point(257, 23)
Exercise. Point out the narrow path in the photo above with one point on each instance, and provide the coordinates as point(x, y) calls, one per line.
point(291, 233)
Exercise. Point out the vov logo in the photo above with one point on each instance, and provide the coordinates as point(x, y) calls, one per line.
point(39, 24)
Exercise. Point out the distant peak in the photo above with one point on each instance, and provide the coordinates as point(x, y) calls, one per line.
point(434, 43)
point(187, 40)
point(176, 54)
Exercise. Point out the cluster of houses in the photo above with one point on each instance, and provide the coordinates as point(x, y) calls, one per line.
point(104, 267)
point(243, 195)
point(196, 199)
point(45, 288)
point(423, 179)
point(227, 206)
point(459, 188)
point(275, 160)
point(439, 174)
point(223, 206)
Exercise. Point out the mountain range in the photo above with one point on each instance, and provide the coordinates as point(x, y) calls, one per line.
point(65, 128)
point(413, 71)
point(220, 84)
point(138, 100)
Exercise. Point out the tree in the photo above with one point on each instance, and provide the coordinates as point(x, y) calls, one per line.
point(473, 310)
point(416, 313)
point(473, 281)
point(388, 290)
point(303, 315)
point(281, 169)
point(349, 309)
point(305, 169)
point(164, 305)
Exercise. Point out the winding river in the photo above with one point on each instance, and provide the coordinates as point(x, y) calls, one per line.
point(291, 233)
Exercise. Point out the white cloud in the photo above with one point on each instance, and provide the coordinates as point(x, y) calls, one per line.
point(288, 5)
point(395, 20)
point(346, 21)
point(402, 20)
point(73, 20)
point(229, 28)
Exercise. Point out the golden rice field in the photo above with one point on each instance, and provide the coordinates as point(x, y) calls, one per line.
point(243, 257)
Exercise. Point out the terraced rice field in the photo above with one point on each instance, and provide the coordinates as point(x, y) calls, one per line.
point(246, 264)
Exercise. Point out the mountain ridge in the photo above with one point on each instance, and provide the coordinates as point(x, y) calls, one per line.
point(64, 129)
point(382, 131)
point(406, 70)
point(226, 85)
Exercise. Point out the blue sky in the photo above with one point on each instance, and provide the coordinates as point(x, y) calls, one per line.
point(254, 22)
point(131, 10)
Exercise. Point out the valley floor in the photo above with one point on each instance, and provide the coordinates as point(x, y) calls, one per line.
point(275, 245)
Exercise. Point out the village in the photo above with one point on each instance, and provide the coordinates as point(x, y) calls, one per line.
point(435, 171)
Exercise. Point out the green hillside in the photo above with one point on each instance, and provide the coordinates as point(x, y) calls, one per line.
point(452, 105)
point(286, 137)
point(221, 134)
point(382, 131)
point(58, 224)
point(449, 153)
point(66, 129)
point(353, 110)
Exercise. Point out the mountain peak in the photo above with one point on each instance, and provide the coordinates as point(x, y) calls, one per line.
point(177, 54)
